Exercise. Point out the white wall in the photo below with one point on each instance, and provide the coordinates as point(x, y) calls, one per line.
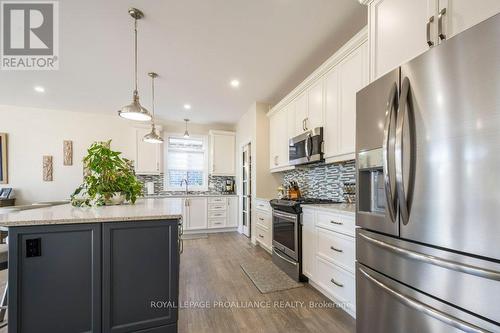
point(33, 133)
point(253, 127)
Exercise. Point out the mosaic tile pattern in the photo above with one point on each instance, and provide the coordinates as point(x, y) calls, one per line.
point(324, 181)
point(216, 184)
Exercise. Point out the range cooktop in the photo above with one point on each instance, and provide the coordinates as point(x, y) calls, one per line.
point(301, 201)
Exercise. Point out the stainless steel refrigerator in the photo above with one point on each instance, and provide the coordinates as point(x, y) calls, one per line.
point(428, 161)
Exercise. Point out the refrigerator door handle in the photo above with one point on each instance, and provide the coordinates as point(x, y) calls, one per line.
point(433, 260)
point(390, 115)
point(403, 111)
point(419, 306)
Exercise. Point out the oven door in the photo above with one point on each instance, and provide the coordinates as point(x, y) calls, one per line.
point(306, 148)
point(285, 233)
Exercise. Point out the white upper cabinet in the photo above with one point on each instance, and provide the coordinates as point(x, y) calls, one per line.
point(327, 98)
point(301, 105)
point(341, 85)
point(353, 76)
point(222, 153)
point(400, 30)
point(316, 105)
point(278, 137)
point(309, 108)
point(332, 113)
point(148, 156)
point(459, 15)
point(397, 33)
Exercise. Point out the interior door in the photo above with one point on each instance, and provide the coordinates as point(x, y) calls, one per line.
point(246, 190)
point(450, 149)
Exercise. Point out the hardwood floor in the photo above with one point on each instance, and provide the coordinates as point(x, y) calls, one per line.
point(211, 272)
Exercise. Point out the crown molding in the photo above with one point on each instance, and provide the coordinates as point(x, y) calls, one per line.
point(355, 42)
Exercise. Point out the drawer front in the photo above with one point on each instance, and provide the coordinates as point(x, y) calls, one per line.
point(336, 222)
point(216, 223)
point(216, 214)
point(262, 205)
point(263, 219)
point(337, 248)
point(336, 281)
point(475, 282)
point(388, 306)
point(263, 236)
point(218, 200)
point(217, 206)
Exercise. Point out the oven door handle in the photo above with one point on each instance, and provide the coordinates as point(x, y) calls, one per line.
point(285, 259)
point(285, 216)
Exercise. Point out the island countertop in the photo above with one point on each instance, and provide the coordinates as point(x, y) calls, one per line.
point(142, 210)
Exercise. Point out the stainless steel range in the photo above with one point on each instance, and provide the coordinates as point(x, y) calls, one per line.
point(287, 234)
point(428, 246)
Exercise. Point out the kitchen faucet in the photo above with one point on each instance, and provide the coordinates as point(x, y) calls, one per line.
point(185, 180)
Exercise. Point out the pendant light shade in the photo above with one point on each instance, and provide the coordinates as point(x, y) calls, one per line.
point(135, 111)
point(153, 136)
point(186, 133)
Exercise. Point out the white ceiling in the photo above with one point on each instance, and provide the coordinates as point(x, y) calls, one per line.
point(196, 46)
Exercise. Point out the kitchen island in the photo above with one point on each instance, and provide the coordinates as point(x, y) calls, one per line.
point(99, 269)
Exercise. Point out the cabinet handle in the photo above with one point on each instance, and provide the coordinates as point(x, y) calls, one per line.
point(305, 122)
point(335, 249)
point(260, 218)
point(336, 283)
point(441, 35)
point(337, 223)
point(261, 236)
point(429, 38)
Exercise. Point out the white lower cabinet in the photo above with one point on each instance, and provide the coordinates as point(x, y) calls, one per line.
point(195, 213)
point(308, 243)
point(232, 212)
point(329, 254)
point(337, 283)
point(202, 213)
point(263, 224)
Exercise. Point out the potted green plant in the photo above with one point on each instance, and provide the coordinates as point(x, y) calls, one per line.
point(109, 179)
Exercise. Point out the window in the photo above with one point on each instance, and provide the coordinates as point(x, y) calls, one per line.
point(186, 158)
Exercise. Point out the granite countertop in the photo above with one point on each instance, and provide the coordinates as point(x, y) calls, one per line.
point(183, 195)
point(144, 209)
point(337, 207)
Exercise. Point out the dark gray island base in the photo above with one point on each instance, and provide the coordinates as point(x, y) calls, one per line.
point(94, 277)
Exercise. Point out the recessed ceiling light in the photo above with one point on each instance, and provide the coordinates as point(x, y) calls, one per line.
point(235, 83)
point(187, 106)
point(39, 89)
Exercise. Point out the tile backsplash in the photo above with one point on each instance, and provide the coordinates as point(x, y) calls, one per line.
point(324, 181)
point(216, 184)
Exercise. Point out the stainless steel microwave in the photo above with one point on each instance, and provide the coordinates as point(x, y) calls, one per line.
point(306, 147)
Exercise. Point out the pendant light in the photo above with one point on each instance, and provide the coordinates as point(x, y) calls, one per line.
point(153, 136)
point(186, 133)
point(135, 111)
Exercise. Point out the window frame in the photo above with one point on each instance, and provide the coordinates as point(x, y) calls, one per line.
point(206, 151)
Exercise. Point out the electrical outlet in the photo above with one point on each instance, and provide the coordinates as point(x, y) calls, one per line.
point(33, 247)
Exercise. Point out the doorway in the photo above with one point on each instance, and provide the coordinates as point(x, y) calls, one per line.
point(246, 189)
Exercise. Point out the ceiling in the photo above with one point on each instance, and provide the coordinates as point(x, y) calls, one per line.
point(196, 46)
